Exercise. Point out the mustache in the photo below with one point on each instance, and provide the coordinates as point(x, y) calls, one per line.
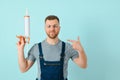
point(52, 31)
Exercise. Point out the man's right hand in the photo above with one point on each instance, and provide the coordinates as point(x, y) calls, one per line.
point(21, 42)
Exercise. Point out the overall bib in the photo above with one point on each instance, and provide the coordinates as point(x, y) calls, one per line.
point(52, 70)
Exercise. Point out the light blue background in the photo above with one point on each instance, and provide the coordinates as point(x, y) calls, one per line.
point(97, 22)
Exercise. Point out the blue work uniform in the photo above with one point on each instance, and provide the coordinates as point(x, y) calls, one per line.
point(52, 70)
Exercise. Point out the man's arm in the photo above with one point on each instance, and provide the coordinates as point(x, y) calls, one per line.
point(81, 60)
point(24, 64)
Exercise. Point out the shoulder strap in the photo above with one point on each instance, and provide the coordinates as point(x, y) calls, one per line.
point(40, 50)
point(63, 49)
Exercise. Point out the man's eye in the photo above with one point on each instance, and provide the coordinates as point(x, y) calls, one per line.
point(48, 26)
point(55, 26)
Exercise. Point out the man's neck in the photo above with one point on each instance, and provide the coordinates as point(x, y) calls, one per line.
point(52, 41)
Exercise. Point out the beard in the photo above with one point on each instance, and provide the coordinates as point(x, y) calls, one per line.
point(52, 35)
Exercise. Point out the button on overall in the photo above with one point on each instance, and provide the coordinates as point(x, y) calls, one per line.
point(52, 70)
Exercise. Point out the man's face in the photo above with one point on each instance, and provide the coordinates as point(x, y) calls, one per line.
point(52, 28)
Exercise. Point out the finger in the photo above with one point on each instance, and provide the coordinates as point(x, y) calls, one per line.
point(28, 40)
point(18, 43)
point(71, 41)
point(23, 40)
point(78, 38)
point(18, 36)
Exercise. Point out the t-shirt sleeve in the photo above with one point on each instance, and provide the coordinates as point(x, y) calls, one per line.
point(71, 52)
point(31, 54)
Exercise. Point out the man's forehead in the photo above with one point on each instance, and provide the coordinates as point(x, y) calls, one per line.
point(54, 20)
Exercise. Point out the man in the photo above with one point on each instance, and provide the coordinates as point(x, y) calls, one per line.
point(52, 54)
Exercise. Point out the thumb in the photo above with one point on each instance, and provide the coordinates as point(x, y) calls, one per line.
point(78, 38)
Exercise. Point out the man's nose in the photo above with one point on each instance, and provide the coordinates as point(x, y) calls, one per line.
point(52, 28)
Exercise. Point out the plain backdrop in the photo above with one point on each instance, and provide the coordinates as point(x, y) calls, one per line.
point(97, 22)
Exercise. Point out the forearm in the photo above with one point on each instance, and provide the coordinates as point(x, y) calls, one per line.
point(22, 61)
point(82, 58)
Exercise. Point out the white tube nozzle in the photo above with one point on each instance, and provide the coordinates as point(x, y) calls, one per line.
point(26, 12)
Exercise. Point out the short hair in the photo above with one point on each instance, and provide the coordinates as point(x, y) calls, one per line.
point(51, 17)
